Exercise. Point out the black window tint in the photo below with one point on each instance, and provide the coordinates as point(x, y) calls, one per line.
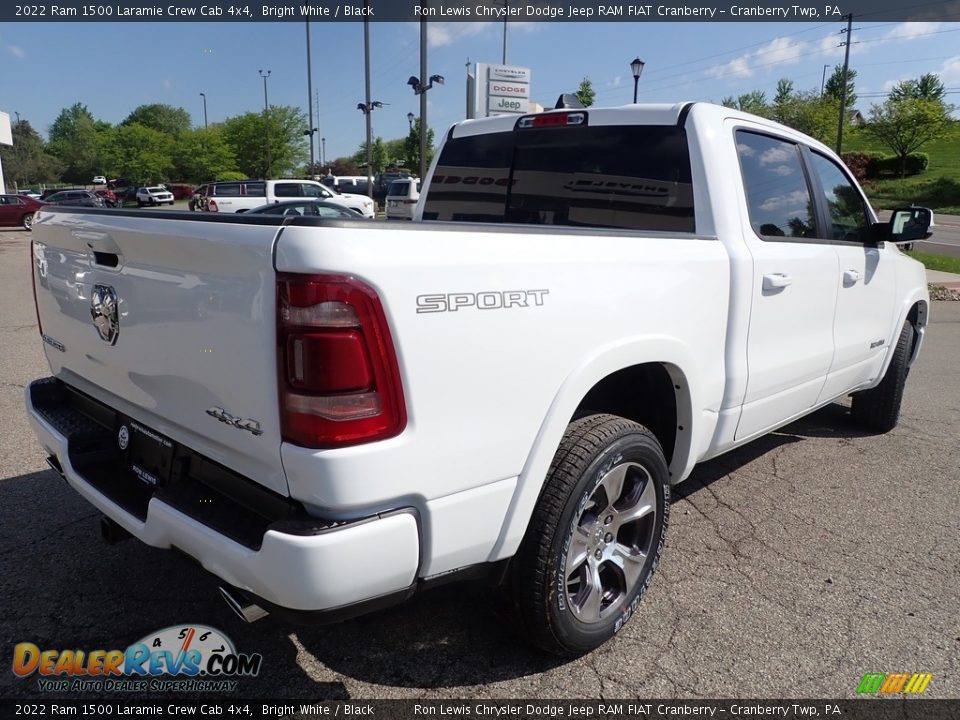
point(632, 177)
point(286, 190)
point(777, 195)
point(848, 216)
point(255, 189)
point(227, 190)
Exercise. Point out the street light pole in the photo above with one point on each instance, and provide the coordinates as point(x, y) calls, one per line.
point(266, 121)
point(312, 129)
point(823, 79)
point(423, 99)
point(323, 151)
point(204, 96)
point(369, 107)
point(636, 67)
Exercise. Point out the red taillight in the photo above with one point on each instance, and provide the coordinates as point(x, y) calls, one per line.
point(33, 280)
point(212, 205)
point(552, 120)
point(338, 372)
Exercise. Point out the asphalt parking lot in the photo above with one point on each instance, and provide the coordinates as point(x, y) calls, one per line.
point(794, 566)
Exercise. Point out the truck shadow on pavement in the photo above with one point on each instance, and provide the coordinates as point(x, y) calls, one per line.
point(65, 588)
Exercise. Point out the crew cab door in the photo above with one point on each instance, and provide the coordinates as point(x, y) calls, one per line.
point(866, 284)
point(794, 283)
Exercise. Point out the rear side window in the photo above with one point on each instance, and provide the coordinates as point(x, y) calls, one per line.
point(286, 190)
point(631, 177)
point(226, 190)
point(778, 198)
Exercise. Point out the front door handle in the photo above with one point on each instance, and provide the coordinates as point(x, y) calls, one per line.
point(850, 277)
point(773, 281)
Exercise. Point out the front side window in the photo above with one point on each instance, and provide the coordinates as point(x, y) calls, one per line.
point(778, 198)
point(848, 215)
point(634, 177)
point(312, 191)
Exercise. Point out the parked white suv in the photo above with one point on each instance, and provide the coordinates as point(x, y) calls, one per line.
point(402, 197)
point(154, 195)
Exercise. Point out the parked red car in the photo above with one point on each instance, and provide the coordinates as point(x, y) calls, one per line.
point(18, 210)
point(109, 197)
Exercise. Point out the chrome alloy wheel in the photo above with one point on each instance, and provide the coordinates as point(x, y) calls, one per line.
point(609, 542)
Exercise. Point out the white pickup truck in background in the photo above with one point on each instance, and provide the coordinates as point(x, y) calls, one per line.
point(331, 415)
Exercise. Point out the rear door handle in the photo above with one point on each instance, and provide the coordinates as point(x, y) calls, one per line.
point(851, 276)
point(773, 281)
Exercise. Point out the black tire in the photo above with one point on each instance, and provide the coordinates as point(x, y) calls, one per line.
point(878, 409)
point(139, 202)
point(27, 221)
point(570, 567)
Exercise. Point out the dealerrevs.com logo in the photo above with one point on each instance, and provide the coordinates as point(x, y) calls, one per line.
point(178, 658)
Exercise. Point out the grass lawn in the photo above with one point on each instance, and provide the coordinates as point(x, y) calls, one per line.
point(938, 188)
point(937, 262)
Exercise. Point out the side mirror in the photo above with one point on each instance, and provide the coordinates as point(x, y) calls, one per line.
point(908, 225)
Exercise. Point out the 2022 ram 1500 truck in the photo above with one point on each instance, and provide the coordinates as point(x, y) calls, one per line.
point(329, 415)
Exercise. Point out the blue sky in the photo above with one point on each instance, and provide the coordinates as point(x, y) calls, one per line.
point(114, 67)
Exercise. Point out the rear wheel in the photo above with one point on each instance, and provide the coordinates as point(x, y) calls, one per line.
point(878, 409)
point(27, 221)
point(595, 538)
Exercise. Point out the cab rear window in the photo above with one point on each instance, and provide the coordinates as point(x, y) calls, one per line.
point(634, 177)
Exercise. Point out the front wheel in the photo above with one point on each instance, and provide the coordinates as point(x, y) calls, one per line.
point(595, 538)
point(27, 221)
point(878, 409)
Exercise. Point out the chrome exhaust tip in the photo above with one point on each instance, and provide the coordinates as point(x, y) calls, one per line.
point(241, 605)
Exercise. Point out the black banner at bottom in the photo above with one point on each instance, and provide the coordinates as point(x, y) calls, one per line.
point(859, 709)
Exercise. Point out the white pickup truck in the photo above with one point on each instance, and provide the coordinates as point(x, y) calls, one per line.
point(331, 415)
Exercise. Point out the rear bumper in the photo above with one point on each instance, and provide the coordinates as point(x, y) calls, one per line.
point(300, 565)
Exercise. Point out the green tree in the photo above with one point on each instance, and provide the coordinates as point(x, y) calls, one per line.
point(834, 86)
point(411, 148)
point(585, 93)
point(926, 87)
point(811, 114)
point(203, 154)
point(907, 125)
point(167, 119)
point(76, 138)
point(246, 135)
point(752, 102)
point(27, 161)
point(784, 91)
point(140, 153)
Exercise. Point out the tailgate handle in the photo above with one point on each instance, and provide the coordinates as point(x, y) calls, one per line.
point(104, 248)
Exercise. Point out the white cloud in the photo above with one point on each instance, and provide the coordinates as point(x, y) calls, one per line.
point(950, 72)
point(776, 154)
point(738, 67)
point(16, 51)
point(614, 83)
point(912, 30)
point(443, 33)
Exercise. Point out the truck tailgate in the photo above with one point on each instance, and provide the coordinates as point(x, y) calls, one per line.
point(190, 350)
